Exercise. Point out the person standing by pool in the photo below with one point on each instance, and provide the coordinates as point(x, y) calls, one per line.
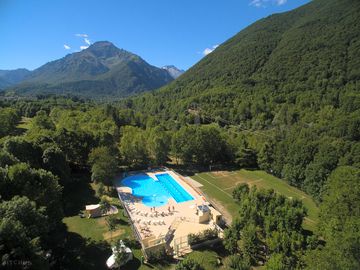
point(173, 208)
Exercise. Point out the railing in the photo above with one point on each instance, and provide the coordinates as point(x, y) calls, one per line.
point(180, 243)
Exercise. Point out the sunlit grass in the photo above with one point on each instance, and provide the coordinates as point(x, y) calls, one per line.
point(219, 185)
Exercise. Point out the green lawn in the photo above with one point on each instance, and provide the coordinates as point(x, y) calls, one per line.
point(96, 228)
point(219, 186)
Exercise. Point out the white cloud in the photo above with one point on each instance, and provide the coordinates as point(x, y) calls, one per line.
point(209, 50)
point(83, 47)
point(264, 3)
point(82, 35)
point(87, 41)
point(281, 2)
point(66, 47)
point(258, 3)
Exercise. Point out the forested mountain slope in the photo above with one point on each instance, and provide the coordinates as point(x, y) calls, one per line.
point(289, 83)
point(305, 56)
point(11, 77)
point(102, 70)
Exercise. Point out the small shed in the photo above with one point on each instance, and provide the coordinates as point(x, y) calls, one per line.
point(94, 210)
point(203, 213)
point(215, 215)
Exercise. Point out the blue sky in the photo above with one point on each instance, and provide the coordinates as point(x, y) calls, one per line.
point(178, 32)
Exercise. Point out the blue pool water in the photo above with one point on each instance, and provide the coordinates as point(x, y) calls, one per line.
point(156, 193)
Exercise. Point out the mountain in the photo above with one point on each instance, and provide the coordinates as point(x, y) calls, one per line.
point(307, 55)
point(102, 70)
point(12, 77)
point(173, 71)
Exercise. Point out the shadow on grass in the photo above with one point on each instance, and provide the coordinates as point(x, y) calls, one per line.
point(192, 169)
point(78, 194)
point(74, 252)
point(133, 264)
point(122, 222)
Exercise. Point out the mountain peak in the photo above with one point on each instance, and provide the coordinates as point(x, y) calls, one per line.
point(102, 44)
point(100, 70)
point(173, 71)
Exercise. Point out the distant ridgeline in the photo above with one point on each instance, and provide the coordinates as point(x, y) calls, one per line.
point(102, 70)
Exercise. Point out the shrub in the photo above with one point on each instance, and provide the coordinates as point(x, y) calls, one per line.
point(188, 264)
point(208, 234)
point(158, 256)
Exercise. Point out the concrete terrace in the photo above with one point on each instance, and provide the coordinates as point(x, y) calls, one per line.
point(171, 223)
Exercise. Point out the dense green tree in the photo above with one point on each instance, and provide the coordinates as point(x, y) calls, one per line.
point(9, 118)
point(188, 264)
point(250, 244)
point(75, 145)
point(203, 145)
point(265, 157)
point(54, 161)
point(301, 153)
point(24, 151)
point(277, 261)
point(39, 186)
point(267, 224)
point(7, 158)
point(246, 157)
point(133, 147)
point(104, 164)
point(23, 228)
point(158, 143)
point(236, 262)
point(339, 223)
point(42, 121)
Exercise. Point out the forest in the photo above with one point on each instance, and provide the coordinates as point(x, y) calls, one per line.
point(59, 140)
point(281, 96)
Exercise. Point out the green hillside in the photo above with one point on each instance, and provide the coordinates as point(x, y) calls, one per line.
point(310, 53)
point(289, 84)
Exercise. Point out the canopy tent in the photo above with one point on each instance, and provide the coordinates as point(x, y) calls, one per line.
point(94, 210)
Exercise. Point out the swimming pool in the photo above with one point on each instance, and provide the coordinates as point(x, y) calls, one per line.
point(156, 192)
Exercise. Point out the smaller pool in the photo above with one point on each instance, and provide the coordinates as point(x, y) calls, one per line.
point(156, 192)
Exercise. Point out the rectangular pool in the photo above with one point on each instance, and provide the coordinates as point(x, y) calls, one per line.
point(173, 188)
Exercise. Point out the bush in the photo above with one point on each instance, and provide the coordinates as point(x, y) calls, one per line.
point(236, 262)
point(188, 264)
point(193, 239)
point(158, 256)
point(131, 243)
point(208, 234)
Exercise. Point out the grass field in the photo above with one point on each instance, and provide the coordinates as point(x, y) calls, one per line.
point(96, 228)
point(219, 186)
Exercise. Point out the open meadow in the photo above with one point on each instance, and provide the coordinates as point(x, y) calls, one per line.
point(218, 185)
